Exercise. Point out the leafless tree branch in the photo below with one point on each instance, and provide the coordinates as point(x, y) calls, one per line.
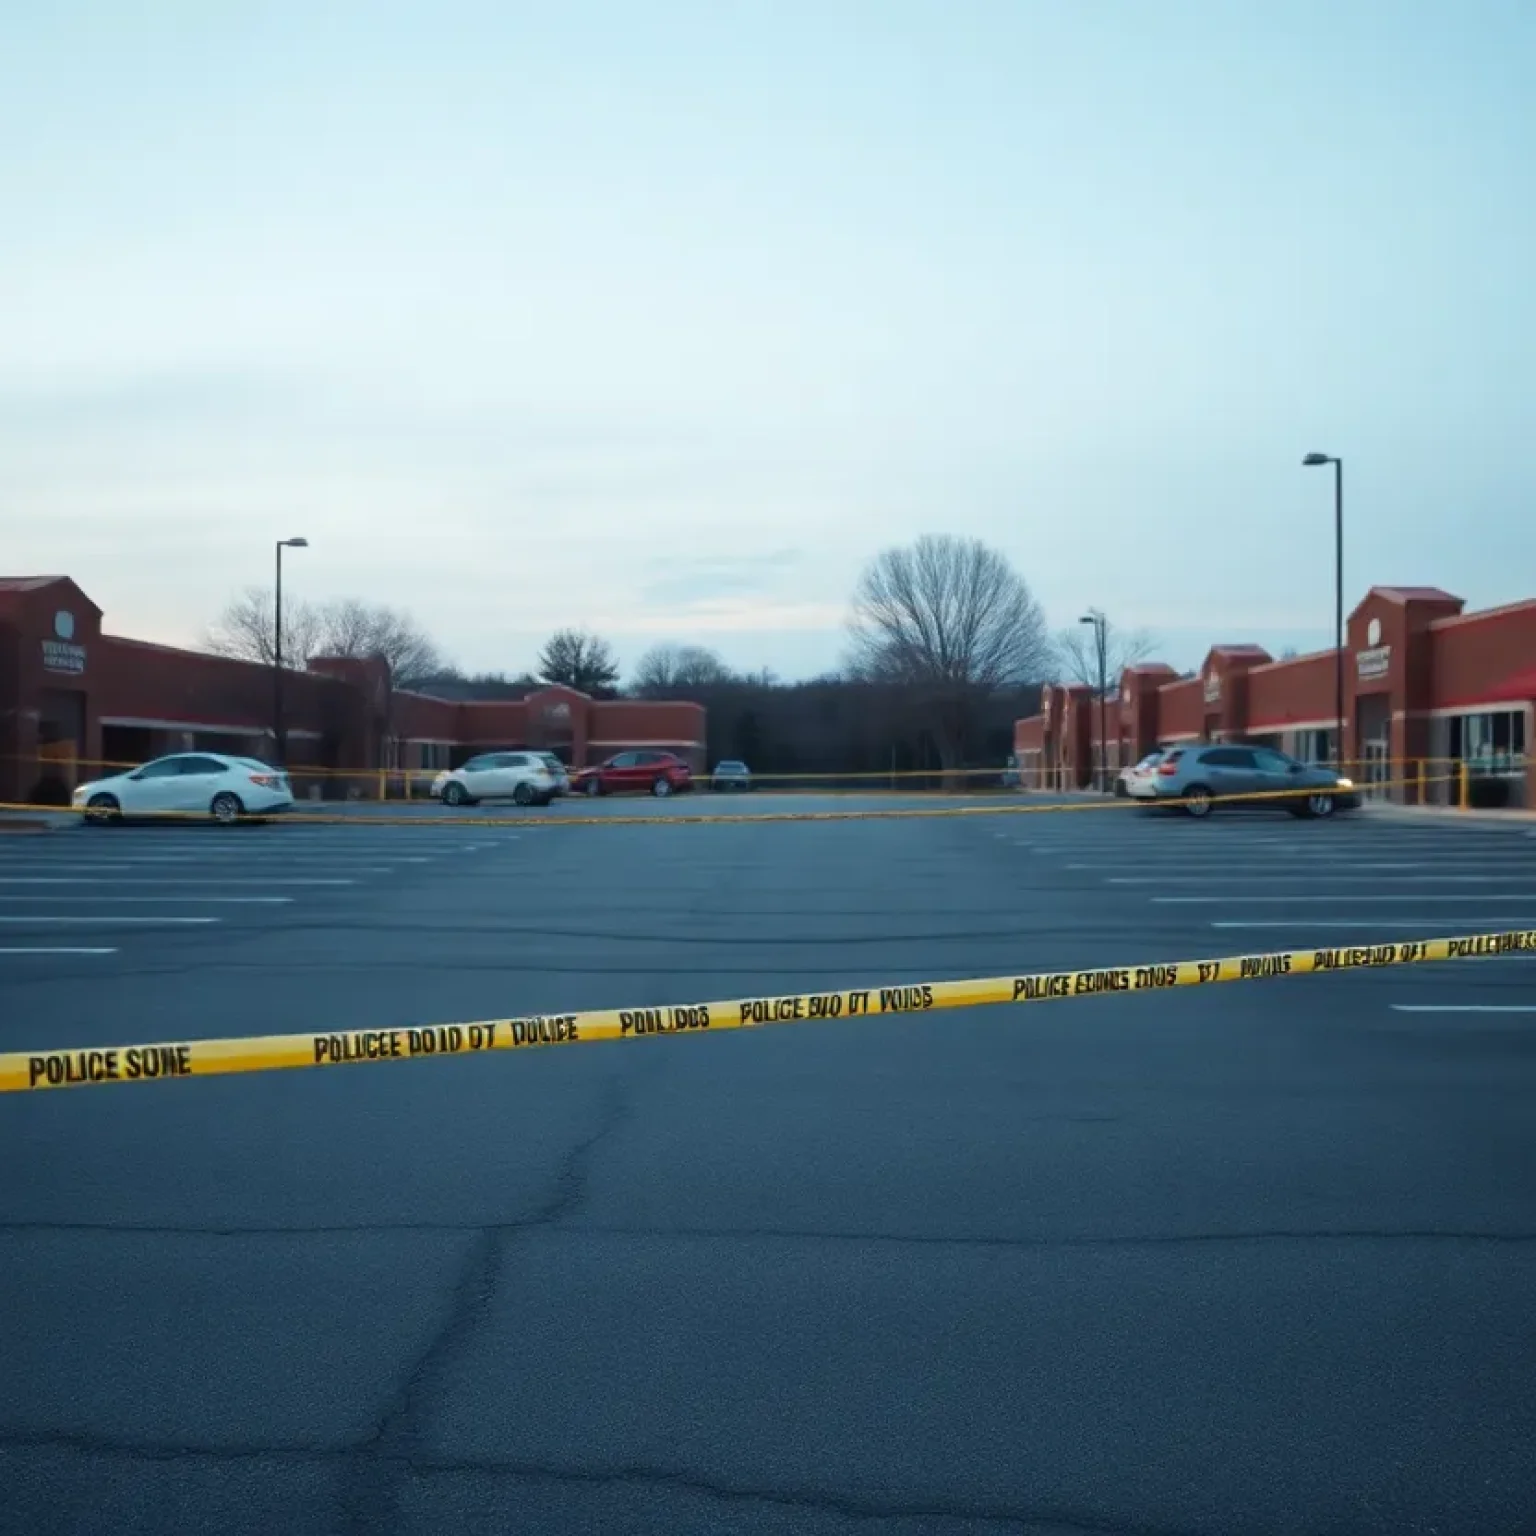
point(347, 627)
point(1078, 655)
point(951, 619)
point(666, 670)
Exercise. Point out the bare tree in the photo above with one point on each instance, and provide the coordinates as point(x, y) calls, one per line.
point(347, 627)
point(246, 626)
point(670, 669)
point(1078, 654)
point(951, 620)
point(579, 660)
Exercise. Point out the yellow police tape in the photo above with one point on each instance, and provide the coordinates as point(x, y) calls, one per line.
point(23, 1070)
point(543, 817)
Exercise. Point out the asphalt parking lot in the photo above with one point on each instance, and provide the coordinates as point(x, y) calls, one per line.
point(1257, 1259)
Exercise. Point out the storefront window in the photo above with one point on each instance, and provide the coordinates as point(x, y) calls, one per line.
point(1315, 746)
point(1491, 742)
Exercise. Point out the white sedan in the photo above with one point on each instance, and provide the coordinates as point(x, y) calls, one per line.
point(523, 777)
point(188, 784)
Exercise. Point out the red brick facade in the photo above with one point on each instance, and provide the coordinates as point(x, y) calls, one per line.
point(73, 698)
point(1424, 684)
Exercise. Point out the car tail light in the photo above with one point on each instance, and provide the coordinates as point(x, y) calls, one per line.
point(1168, 769)
point(266, 780)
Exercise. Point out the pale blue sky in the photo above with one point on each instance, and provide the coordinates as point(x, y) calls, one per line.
point(661, 318)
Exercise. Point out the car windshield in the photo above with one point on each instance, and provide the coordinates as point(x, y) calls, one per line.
point(731, 767)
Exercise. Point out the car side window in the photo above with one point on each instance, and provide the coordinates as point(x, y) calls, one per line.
point(191, 765)
point(1272, 762)
point(163, 768)
point(476, 765)
point(512, 760)
point(1228, 757)
point(627, 760)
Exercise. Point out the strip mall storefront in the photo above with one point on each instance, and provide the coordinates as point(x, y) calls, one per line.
point(1427, 688)
point(73, 699)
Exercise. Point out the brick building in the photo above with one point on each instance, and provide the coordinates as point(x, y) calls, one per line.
point(1424, 683)
point(73, 698)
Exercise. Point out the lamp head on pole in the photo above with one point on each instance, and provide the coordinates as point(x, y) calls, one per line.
point(1317, 460)
point(293, 543)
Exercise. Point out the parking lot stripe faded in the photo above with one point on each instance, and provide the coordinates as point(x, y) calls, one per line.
point(1356, 898)
point(1463, 1007)
point(1274, 878)
point(157, 901)
point(58, 949)
point(172, 879)
point(109, 917)
point(1373, 922)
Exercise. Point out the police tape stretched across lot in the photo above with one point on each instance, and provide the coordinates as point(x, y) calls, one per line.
point(22, 1070)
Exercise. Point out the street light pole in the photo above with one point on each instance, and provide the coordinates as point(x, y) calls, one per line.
point(1101, 645)
point(279, 745)
point(1316, 461)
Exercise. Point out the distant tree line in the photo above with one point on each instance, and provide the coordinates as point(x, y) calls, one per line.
point(947, 647)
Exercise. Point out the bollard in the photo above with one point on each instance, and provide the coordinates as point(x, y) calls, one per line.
point(1419, 776)
point(1464, 787)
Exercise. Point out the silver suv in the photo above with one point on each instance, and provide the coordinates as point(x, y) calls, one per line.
point(1202, 776)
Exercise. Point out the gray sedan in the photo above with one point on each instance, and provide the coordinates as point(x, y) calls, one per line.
point(1259, 778)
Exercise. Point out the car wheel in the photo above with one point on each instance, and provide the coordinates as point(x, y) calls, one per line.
point(102, 810)
point(455, 794)
point(1197, 800)
point(226, 809)
point(661, 788)
point(523, 795)
point(1320, 805)
point(594, 787)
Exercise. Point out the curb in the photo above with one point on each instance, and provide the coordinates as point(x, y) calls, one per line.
point(1450, 813)
point(20, 824)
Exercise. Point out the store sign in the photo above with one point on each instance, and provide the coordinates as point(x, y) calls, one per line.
point(1213, 688)
point(62, 654)
point(1373, 663)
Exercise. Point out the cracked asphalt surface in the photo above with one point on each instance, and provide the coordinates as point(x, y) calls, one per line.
point(1255, 1259)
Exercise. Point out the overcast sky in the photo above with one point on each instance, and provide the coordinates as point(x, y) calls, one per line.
point(662, 318)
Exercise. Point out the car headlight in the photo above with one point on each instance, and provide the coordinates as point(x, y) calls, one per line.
point(1346, 783)
point(80, 794)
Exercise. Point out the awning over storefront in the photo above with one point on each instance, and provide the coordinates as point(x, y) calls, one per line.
point(1518, 688)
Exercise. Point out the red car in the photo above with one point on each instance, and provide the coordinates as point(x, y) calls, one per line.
point(656, 773)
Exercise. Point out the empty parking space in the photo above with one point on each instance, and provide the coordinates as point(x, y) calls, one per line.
point(1126, 1263)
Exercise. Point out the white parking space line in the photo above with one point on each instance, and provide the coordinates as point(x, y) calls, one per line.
point(205, 901)
point(191, 867)
point(163, 879)
point(113, 920)
point(1302, 866)
point(1423, 897)
point(1463, 1007)
point(1502, 920)
point(59, 949)
point(61, 868)
point(1293, 877)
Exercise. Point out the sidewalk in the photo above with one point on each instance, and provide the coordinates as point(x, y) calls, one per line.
point(1387, 811)
point(35, 821)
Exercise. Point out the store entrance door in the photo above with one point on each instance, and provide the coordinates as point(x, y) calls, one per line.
point(1373, 730)
point(60, 744)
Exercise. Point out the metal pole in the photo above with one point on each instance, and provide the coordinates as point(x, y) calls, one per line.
point(278, 753)
point(1338, 607)
point(1103, 639)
